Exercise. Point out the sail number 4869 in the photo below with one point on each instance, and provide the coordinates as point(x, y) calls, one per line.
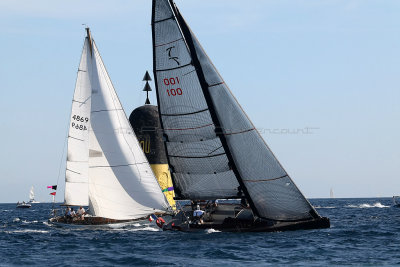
point(173, 91)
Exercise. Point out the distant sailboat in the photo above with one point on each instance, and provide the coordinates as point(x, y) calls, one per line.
point(32, 196)
point(331, 193)
point(396, 201)
point(106, 168)
point(23, 204)
point(214, 150)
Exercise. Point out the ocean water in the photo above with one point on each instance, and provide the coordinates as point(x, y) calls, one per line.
point(363, 232)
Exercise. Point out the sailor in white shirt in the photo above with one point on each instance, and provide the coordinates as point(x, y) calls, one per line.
point(81, 212)
point(198, 214)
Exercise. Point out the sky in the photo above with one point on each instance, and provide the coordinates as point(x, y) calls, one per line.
point(319, 78)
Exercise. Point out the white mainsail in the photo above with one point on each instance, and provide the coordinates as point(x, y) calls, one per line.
point(76, 174)
point(110, 171)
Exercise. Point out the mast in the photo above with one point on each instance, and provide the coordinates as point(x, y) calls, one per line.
point(218, 129)
point(89, 36)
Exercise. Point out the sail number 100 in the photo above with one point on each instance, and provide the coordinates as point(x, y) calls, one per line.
point(172, 91)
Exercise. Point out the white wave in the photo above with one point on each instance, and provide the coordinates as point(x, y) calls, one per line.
point(16, 219)
point(28, 231)
point(123, 225)
point(366, 205)
point(146, 228)
point(28, 222)
point(327, 207)
point(210, 231)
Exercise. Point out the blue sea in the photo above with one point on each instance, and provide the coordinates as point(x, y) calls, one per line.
point(363, 232)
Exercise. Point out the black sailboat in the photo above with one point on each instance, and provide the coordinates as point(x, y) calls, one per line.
point(214, 151)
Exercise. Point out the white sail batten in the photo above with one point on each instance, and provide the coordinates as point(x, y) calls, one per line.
point(76, 174)
point(122, 185)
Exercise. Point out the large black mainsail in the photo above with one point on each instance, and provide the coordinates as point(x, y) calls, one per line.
point(213, 148)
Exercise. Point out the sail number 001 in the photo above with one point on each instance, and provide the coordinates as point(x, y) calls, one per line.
point(173, 81)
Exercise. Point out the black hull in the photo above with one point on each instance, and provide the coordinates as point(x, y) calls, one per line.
point(23, 207)
point(234, 225)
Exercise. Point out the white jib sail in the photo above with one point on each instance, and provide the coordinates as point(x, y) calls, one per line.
point(76, 174)
point(122, 185)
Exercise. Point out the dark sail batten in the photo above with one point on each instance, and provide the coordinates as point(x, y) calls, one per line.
point(179, 67)
point(169, 42)
point(265, 180)
point(205, 86)
point(185, 114)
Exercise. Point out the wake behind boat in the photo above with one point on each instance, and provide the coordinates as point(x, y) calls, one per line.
point(106, 168)
point(214, 151)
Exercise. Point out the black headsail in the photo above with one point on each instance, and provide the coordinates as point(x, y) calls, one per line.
point(212, 141)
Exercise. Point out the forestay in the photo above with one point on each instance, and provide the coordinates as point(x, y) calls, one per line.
point(122, 185)
point(272, 192)
point(198, 162)
point(76, 174)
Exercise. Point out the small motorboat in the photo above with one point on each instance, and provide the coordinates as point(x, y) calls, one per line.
point(23, 205)
point(396, 201)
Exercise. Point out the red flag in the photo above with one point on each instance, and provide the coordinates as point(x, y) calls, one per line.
point(53, 193)
point(52, 187)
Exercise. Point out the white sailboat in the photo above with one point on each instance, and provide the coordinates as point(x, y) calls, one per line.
point(106, 168)
point(32, 196)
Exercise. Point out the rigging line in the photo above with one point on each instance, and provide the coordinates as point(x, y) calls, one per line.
point(61, 160)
